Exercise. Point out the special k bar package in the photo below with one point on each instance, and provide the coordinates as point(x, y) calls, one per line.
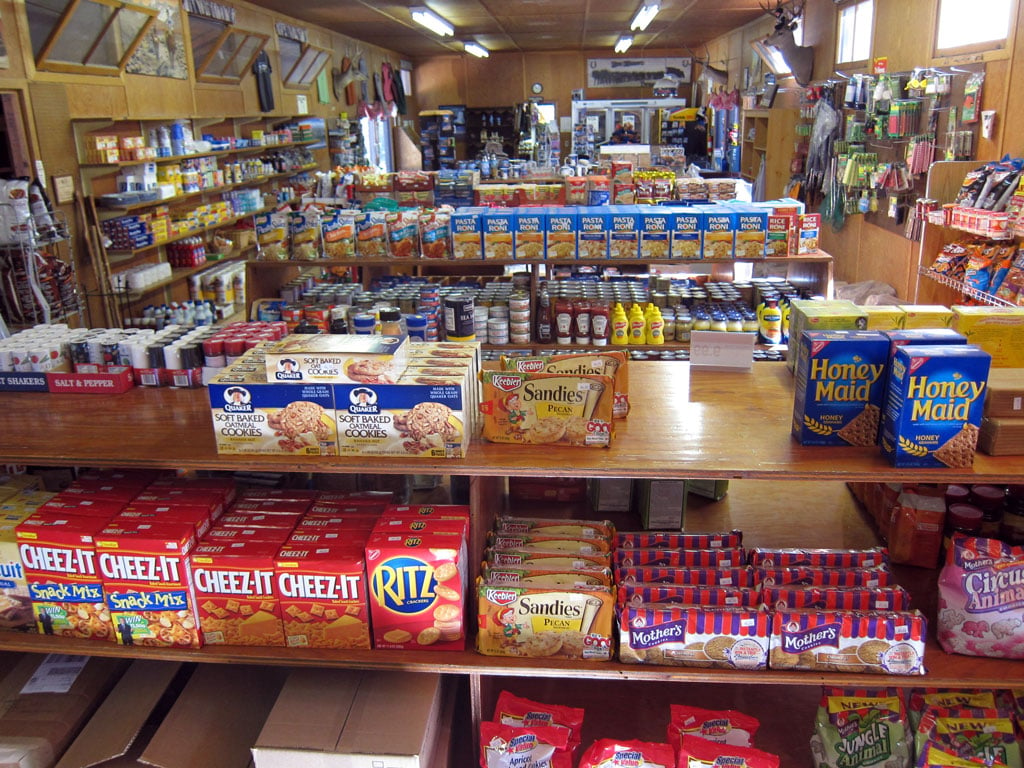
point(417, 590)
point(547, 409)
point(323, 597)
point(147, 582)
point(236, 593)
point(58, 553)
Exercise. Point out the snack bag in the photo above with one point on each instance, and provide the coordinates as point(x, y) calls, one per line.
point(696, 752)
point(371, 237)
point(725, 727)
point(970, 732)
point(403, 234)
point(931, 698)
point(611, 753)
point(339, 234)
point(933, 757)
point(305, 236)
point(524, 713)
point(979, 611)
point(435, 235)
point(505, 746)
point(272, 235)
point(978, 274)
point(860, 728)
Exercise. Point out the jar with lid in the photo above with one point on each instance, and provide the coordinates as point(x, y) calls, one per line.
point(990, 499)
point(1011, 530)
point(391, 321)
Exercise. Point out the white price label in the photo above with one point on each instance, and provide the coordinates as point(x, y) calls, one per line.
point(722, 350)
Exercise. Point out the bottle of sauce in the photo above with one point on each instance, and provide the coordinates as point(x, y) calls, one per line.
point(637, 325)
point(600, 327)
point(770, 325)
point(544, 326)
point(581, 321)
point(563, 320)
point(655, 325)
point(620, 325)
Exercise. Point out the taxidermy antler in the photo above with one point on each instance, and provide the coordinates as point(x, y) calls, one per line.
point(800, 58)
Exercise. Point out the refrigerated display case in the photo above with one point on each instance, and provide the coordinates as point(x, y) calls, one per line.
point(597, 120)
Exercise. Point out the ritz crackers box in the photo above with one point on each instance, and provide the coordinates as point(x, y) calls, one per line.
point(58, 553)
point(147, 582)
point(236, 594)
point(840, 387)
point(417, 590)
point(322, 592)
point(934, 405)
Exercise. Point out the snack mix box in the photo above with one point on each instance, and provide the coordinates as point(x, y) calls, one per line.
point(417, 590)
point(840, 387)
point(934, 405)
point(58, 553)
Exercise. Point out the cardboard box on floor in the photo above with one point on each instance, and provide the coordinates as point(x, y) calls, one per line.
point(36, 727)
point(352, 719)
point(165, 714)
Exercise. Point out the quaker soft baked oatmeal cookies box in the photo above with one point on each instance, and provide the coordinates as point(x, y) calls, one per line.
point(336, 359)
point(934, 405)
point(839, 389)
point(544, 409)
point(417, 590)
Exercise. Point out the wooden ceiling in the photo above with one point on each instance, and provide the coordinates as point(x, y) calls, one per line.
point(532, 26)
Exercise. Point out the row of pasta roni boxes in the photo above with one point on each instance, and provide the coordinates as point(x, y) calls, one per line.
point(554, 588)
point(164, 566)
point(728, 230)
point(348, 394)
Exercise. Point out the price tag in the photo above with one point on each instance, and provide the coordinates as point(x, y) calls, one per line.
point(722, 350)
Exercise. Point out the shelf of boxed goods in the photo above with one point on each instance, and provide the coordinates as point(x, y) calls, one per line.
point(684, 423)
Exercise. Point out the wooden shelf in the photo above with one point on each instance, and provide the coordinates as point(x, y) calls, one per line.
point(683, 423)
point(194, 155)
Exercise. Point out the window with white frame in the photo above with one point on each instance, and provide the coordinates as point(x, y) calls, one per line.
point(964, 23)
point(855, 26)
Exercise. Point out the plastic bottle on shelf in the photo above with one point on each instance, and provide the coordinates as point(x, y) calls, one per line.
point(637, 325)
point(655, 325)
point(620, 325)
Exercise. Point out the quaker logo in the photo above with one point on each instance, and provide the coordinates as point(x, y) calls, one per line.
point(363, 400)
point(288, 370)
point(507, 382)
point(237, 400)
point(501, 596)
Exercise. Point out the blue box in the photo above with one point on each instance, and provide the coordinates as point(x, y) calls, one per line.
point(934, 404)
point(560, 241)
point(467, 235)
point(530, 224)
point(687, 227)
point(751, 232)
point(498, 226)
point(624, 238)
point(719, 232)
point(655, 237)
point(840, 387)
point(593, 234)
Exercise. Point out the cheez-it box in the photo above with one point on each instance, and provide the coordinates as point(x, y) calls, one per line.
point(236, 594)
point(147, 582)
point(417, 590)
point(58, 553)
point(322, 592)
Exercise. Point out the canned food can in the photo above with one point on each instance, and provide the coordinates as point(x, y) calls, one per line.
point(459, 317)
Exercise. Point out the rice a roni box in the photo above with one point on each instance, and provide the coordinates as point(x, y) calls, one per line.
point(882, 642)
point(997, 330)
point(336, 359)
point(414, 420)
point(535, 621)
point(323, 596)
point(417, 590)
point(147, 582)
point(252, 416)
point(839, 389)
point(541, 408)
point(707, 636)
point(236, 593)
point(934, 405)
point(58, 553)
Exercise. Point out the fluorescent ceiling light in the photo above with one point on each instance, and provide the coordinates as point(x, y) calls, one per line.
point(644, 16)
point(623, 43)
point(476, 49)
point(427, 18)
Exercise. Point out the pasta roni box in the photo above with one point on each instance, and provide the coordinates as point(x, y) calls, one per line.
point(560, 235)
point(417, 589)
point(147, 582)
point(686, 226)
point(934, 404)
point(840, 387)
point(529, 234)
point(58, 552)
point(594, 226)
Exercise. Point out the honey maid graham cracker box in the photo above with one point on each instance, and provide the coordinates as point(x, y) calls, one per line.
point(840, 382)
point(934, 404)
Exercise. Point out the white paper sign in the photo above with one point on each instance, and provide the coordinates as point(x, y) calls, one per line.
point(55, 674)
point(722, 350)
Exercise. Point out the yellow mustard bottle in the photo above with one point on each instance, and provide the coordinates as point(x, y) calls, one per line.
point(655, 325)
point(637, 325)
point(620, 325)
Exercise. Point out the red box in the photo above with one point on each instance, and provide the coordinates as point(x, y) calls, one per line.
point(339, 522)
point(228, 535)
point(443, 511)
point(334, 538)
point(58, 554)
point(323, 597)
point(411, 525)
point(114, 381)
point(223, 485)
point(417, 590)
point(321, 507)
point(104, 491)
point(147, 582)
point(272, 506)
point(186, 497)
point(256, 520)
point(292, 494)
point(77, 505)
point(198, 516)
point(236, 594)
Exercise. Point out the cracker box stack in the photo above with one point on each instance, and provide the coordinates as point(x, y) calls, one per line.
point(418, 572)
point(934, 405)
point(545, 591)
point(1002, 428)
point(688, 599)
point(810, 315)
point(997, 330)
point(840, 387)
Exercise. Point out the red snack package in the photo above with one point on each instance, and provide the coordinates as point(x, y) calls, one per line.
point(520, 712)
point(609, 753)
point(701, 753)
point(725, 726)
point(505, 746)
